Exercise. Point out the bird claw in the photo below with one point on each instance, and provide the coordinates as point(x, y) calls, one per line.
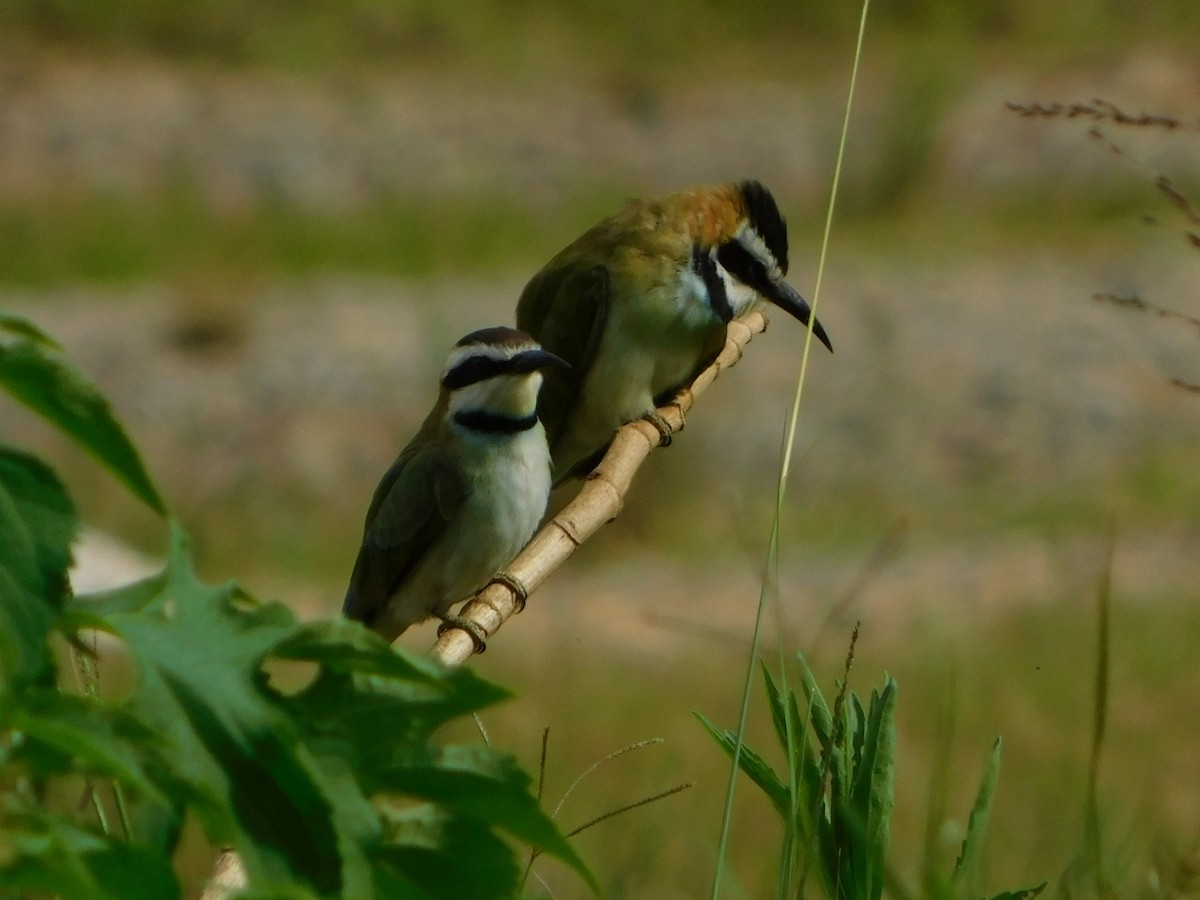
point(477, 634)
point(662, 426)
point(514, 584)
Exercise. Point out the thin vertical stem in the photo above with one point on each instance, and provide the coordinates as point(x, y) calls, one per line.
point(771, 567)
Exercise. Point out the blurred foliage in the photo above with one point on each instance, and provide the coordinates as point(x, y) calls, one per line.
point(121, 238)
point(541, 35)
point(109, 238)
point(331, 789)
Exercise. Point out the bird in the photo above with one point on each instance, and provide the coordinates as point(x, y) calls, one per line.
point(638, 305)
point(466, 493)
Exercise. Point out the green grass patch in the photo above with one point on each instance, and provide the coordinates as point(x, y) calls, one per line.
point(119, 239)
point(176, 232)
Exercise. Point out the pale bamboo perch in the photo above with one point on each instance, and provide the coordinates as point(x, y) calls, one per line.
point(599, 501)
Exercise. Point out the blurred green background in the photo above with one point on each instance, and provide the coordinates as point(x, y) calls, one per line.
point(259, 228)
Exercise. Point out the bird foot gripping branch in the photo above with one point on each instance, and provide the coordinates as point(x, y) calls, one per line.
point(665, 431)
point(514, 584)
point(474, 629)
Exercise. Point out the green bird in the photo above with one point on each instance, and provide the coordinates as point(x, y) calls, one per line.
point(639, 304)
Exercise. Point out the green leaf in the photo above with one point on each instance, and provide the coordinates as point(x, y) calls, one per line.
point(1021, 893)
point(51, 387)
point(288, 778)
point(49, 855)
point(26, 329)
point(754, 766)
point(37, 524)
point(199, 652)
point(340, 646)
point(972, 847)
point(819, 715)
point(281, 892)
point(874, 784)
point(88, 737)
point(438, 855)
point(800, 753)
point(477, 783)
point(779, 713)
point(371, 707)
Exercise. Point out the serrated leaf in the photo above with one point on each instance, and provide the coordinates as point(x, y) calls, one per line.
point(972, 846)
point(754, 766)
point(54, 856)
point(348, 648)
point(199, 651)
point(477, 783)
point(47, 384)
point(37, 524)
point(92, 737)
point(438, 855)
point(373, 707)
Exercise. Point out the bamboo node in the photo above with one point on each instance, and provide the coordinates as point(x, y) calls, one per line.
point(567, 527)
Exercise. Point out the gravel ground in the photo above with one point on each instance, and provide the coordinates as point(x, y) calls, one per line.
point(127, 126)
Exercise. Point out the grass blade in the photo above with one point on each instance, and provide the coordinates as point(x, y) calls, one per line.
point(785, 465)
point(968, 858)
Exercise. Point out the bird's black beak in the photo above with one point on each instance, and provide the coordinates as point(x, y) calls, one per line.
point(749, 270)
point(786, 298)
point(529, 360)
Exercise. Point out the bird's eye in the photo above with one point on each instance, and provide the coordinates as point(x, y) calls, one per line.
point(743, 265)
point(474, 369)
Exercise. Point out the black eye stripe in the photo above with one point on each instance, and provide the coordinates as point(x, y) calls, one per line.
point(490, 423)
point(474, 369)
point(743, 265)
point(706, 267)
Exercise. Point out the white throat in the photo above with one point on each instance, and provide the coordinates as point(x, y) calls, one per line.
point(511, 396)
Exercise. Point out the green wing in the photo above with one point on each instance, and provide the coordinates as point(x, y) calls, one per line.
point(409, 511)
point(565, 308)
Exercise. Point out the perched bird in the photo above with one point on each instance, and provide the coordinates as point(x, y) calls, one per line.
point(466, 493)
point(639, 303)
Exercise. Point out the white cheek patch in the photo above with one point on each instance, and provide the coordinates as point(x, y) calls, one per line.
point(504, 395)
point(471, 397)
point(757, 247)
point(739, 296)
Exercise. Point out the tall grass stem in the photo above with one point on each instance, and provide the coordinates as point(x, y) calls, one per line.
point(771, 568)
